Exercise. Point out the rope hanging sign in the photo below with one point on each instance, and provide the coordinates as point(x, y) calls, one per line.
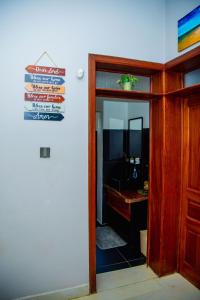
point(49, 57)
point(44, 99)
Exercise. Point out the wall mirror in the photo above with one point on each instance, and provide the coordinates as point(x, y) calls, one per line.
point(135, 127)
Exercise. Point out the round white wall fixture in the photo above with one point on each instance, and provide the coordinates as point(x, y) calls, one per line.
point(80, 73)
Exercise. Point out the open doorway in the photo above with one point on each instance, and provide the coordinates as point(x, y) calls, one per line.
point(149, 88)
point(122, 172)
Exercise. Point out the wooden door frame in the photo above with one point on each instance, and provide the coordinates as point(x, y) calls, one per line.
point(167, 80)
point(92, 172)
point(94, 62)
point(184, 155)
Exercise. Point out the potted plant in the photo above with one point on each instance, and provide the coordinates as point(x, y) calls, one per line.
point(127, 82)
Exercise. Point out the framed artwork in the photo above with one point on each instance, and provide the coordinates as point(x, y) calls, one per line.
point(189, 29)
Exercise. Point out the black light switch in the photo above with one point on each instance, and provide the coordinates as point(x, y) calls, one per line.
point(44, 152)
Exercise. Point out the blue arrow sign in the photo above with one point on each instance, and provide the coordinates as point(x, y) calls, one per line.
point(44, 79)
point(42, 116)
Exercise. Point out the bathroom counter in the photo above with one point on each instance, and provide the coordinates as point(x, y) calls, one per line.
point(127, 195)
point(132, 207)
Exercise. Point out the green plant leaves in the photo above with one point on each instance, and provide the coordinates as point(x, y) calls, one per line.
point(128, 78)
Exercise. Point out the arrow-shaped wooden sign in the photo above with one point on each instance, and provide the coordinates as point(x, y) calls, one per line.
point(37, 116)
point(44, 79)
point(45, 70)
point(44, 107)
point(43, 98)
point(45, 88)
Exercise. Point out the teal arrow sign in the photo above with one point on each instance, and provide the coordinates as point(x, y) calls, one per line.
point(43, 116)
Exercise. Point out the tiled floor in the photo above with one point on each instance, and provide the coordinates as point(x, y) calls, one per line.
point(140, 283)
point(117, 258)
point(112, 280)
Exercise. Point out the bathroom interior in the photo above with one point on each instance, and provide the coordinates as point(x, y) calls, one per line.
point(122, 169)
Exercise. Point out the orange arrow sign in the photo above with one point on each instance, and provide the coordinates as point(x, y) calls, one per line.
point(45, 88)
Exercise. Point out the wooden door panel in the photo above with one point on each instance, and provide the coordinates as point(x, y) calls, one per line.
point(193, 210)
point(191, 262)
point(190, 207)
point(194, 145)
point(190, 253)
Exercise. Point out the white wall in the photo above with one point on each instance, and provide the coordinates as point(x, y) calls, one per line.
point(99, 166)
point(139, 109)
point(122, 111)
point(115, 115)
point(175, 10)
point(44, 202)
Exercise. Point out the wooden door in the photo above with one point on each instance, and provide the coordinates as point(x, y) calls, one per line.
point(190, 207)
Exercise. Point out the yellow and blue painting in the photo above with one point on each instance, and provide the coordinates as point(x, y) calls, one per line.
point(189, 29)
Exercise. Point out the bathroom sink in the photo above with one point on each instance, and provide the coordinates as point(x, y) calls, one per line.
point(119, 183)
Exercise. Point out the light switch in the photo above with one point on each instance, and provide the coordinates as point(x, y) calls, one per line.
point(44, 152)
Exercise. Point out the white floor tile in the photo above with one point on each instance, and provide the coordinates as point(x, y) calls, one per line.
point(124, 277)
point(141, 283)
point(125, 292)
point(170, 292)
point(175, 280)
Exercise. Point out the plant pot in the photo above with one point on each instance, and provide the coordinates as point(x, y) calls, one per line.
point(127, 86)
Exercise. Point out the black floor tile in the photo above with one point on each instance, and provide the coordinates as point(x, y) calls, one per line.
point(109, 268)
point(128, 252)
point(117, 258)
point(137, 261)
point(108, 257)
